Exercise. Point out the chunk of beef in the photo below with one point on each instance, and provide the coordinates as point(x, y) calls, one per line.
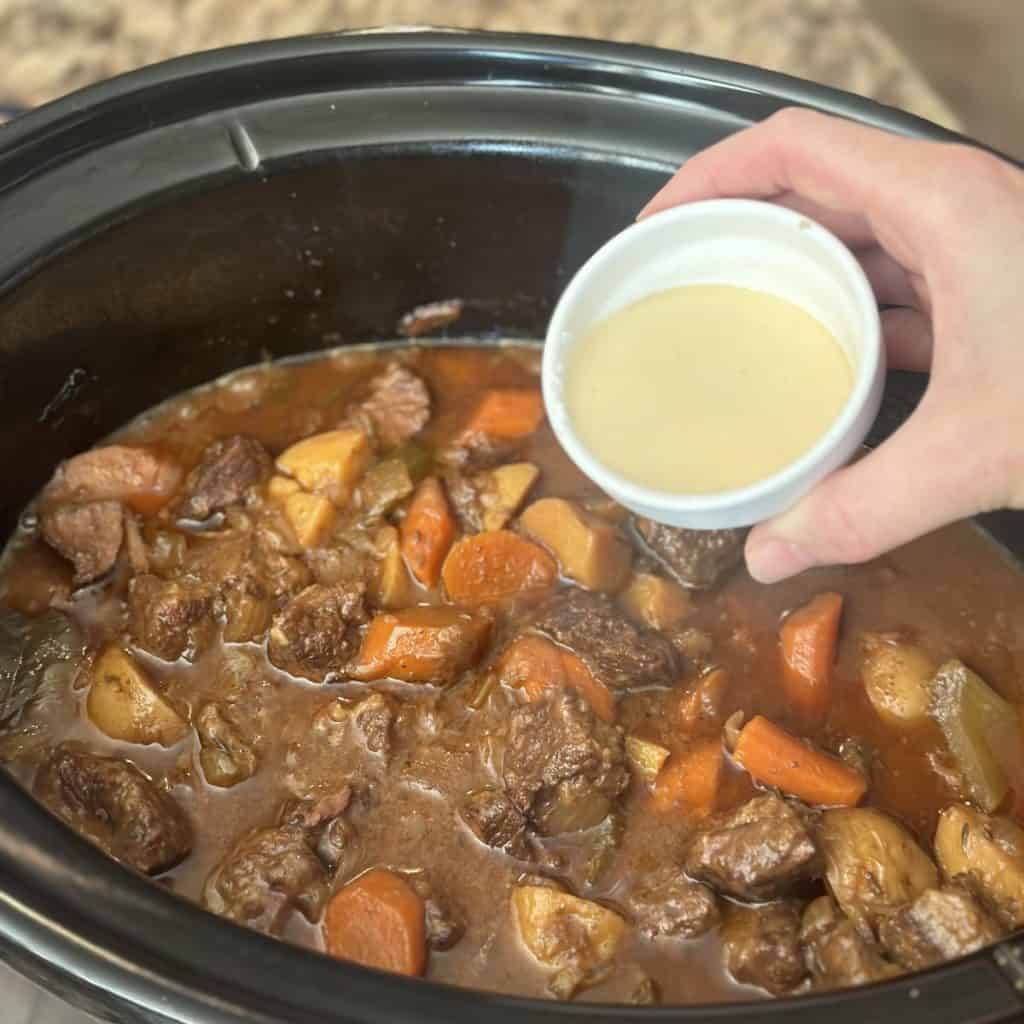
point(837, 954)
point(563, 767)
point(330, 834)
point(249, 576)
point(88, 535)
point(397, 407)
point(758, 853)
point(762, 946)
point(111, 802)
point(266, 875)
point(941, 924)
point(317, 633)
point(695, 558)
point(225, 755)
point(619, 654)
point(116, 472)
point(669, 903)
point(171, 618)
point(496, 821)
point(226, 471)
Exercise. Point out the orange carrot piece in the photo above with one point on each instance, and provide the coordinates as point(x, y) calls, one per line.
point(705, 702)
point(490, 567)
point(808, 639)
point(427, 531)
point(536, 665)
point(421, 645)
point(507, 414)
point(378, 921)
point(692, 780)
point(775, 757)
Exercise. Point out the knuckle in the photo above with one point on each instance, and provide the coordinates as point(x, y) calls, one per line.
point(795, 120)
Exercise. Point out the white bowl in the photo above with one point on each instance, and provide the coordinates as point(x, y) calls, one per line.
point(753, 245)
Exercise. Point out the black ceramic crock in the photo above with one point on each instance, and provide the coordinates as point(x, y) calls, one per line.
point(193, 217)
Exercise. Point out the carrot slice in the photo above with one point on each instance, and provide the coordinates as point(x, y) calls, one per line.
point(378, 921)
point(775, 757)
point(421, 645)
point(692, 780)
point(537, 665)
point(489, 567)
point(506, 414)
point(808, 640)
point(427, 531)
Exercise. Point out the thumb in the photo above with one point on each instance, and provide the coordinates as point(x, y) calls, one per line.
point(923, 477)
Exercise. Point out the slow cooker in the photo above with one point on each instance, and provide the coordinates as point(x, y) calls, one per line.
point(196, 216)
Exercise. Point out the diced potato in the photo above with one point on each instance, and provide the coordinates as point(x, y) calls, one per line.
point(645, 758)
point(311, 517)
point(384, 485)
point(561, 931)
point(654, 601)
point(421, 645)
point(505, 489)
point(896, 677)
point(125, 705)
point(589, 550)
point(981, 730)
point(873, 865)
point(329, 464)
point(990, 851)
point(393, 586)
point(279, 487)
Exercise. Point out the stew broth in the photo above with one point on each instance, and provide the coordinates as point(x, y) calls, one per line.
point(953, 595)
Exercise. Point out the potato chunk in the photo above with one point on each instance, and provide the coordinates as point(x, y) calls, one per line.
point(654, 601)
point(981, 730)
point(896, 677)
point(990, 851)
point(421, 645)
point(329, 464)
point(392, 587)
point(279, 487)
point(872, 863)
point(125, 705)
point(575, 936)
point(589, 550)
point(311, 517)
point(645, 758)
point(505, 489)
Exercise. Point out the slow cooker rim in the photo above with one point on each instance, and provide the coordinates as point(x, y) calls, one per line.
point(32, 843)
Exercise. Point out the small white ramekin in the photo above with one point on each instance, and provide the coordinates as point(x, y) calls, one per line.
point(741, 242)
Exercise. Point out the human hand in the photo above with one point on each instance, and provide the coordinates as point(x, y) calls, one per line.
point(939, 230)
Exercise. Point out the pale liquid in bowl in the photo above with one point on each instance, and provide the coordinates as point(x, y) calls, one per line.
point(705, 388)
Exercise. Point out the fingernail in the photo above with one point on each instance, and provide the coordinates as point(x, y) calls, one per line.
point(773, 559)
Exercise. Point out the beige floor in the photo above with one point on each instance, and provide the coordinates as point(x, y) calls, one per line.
point(972, 52)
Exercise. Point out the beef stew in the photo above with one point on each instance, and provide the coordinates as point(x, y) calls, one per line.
point(347, 651)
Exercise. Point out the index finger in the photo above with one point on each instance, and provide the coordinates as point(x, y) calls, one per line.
point(853, 170)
